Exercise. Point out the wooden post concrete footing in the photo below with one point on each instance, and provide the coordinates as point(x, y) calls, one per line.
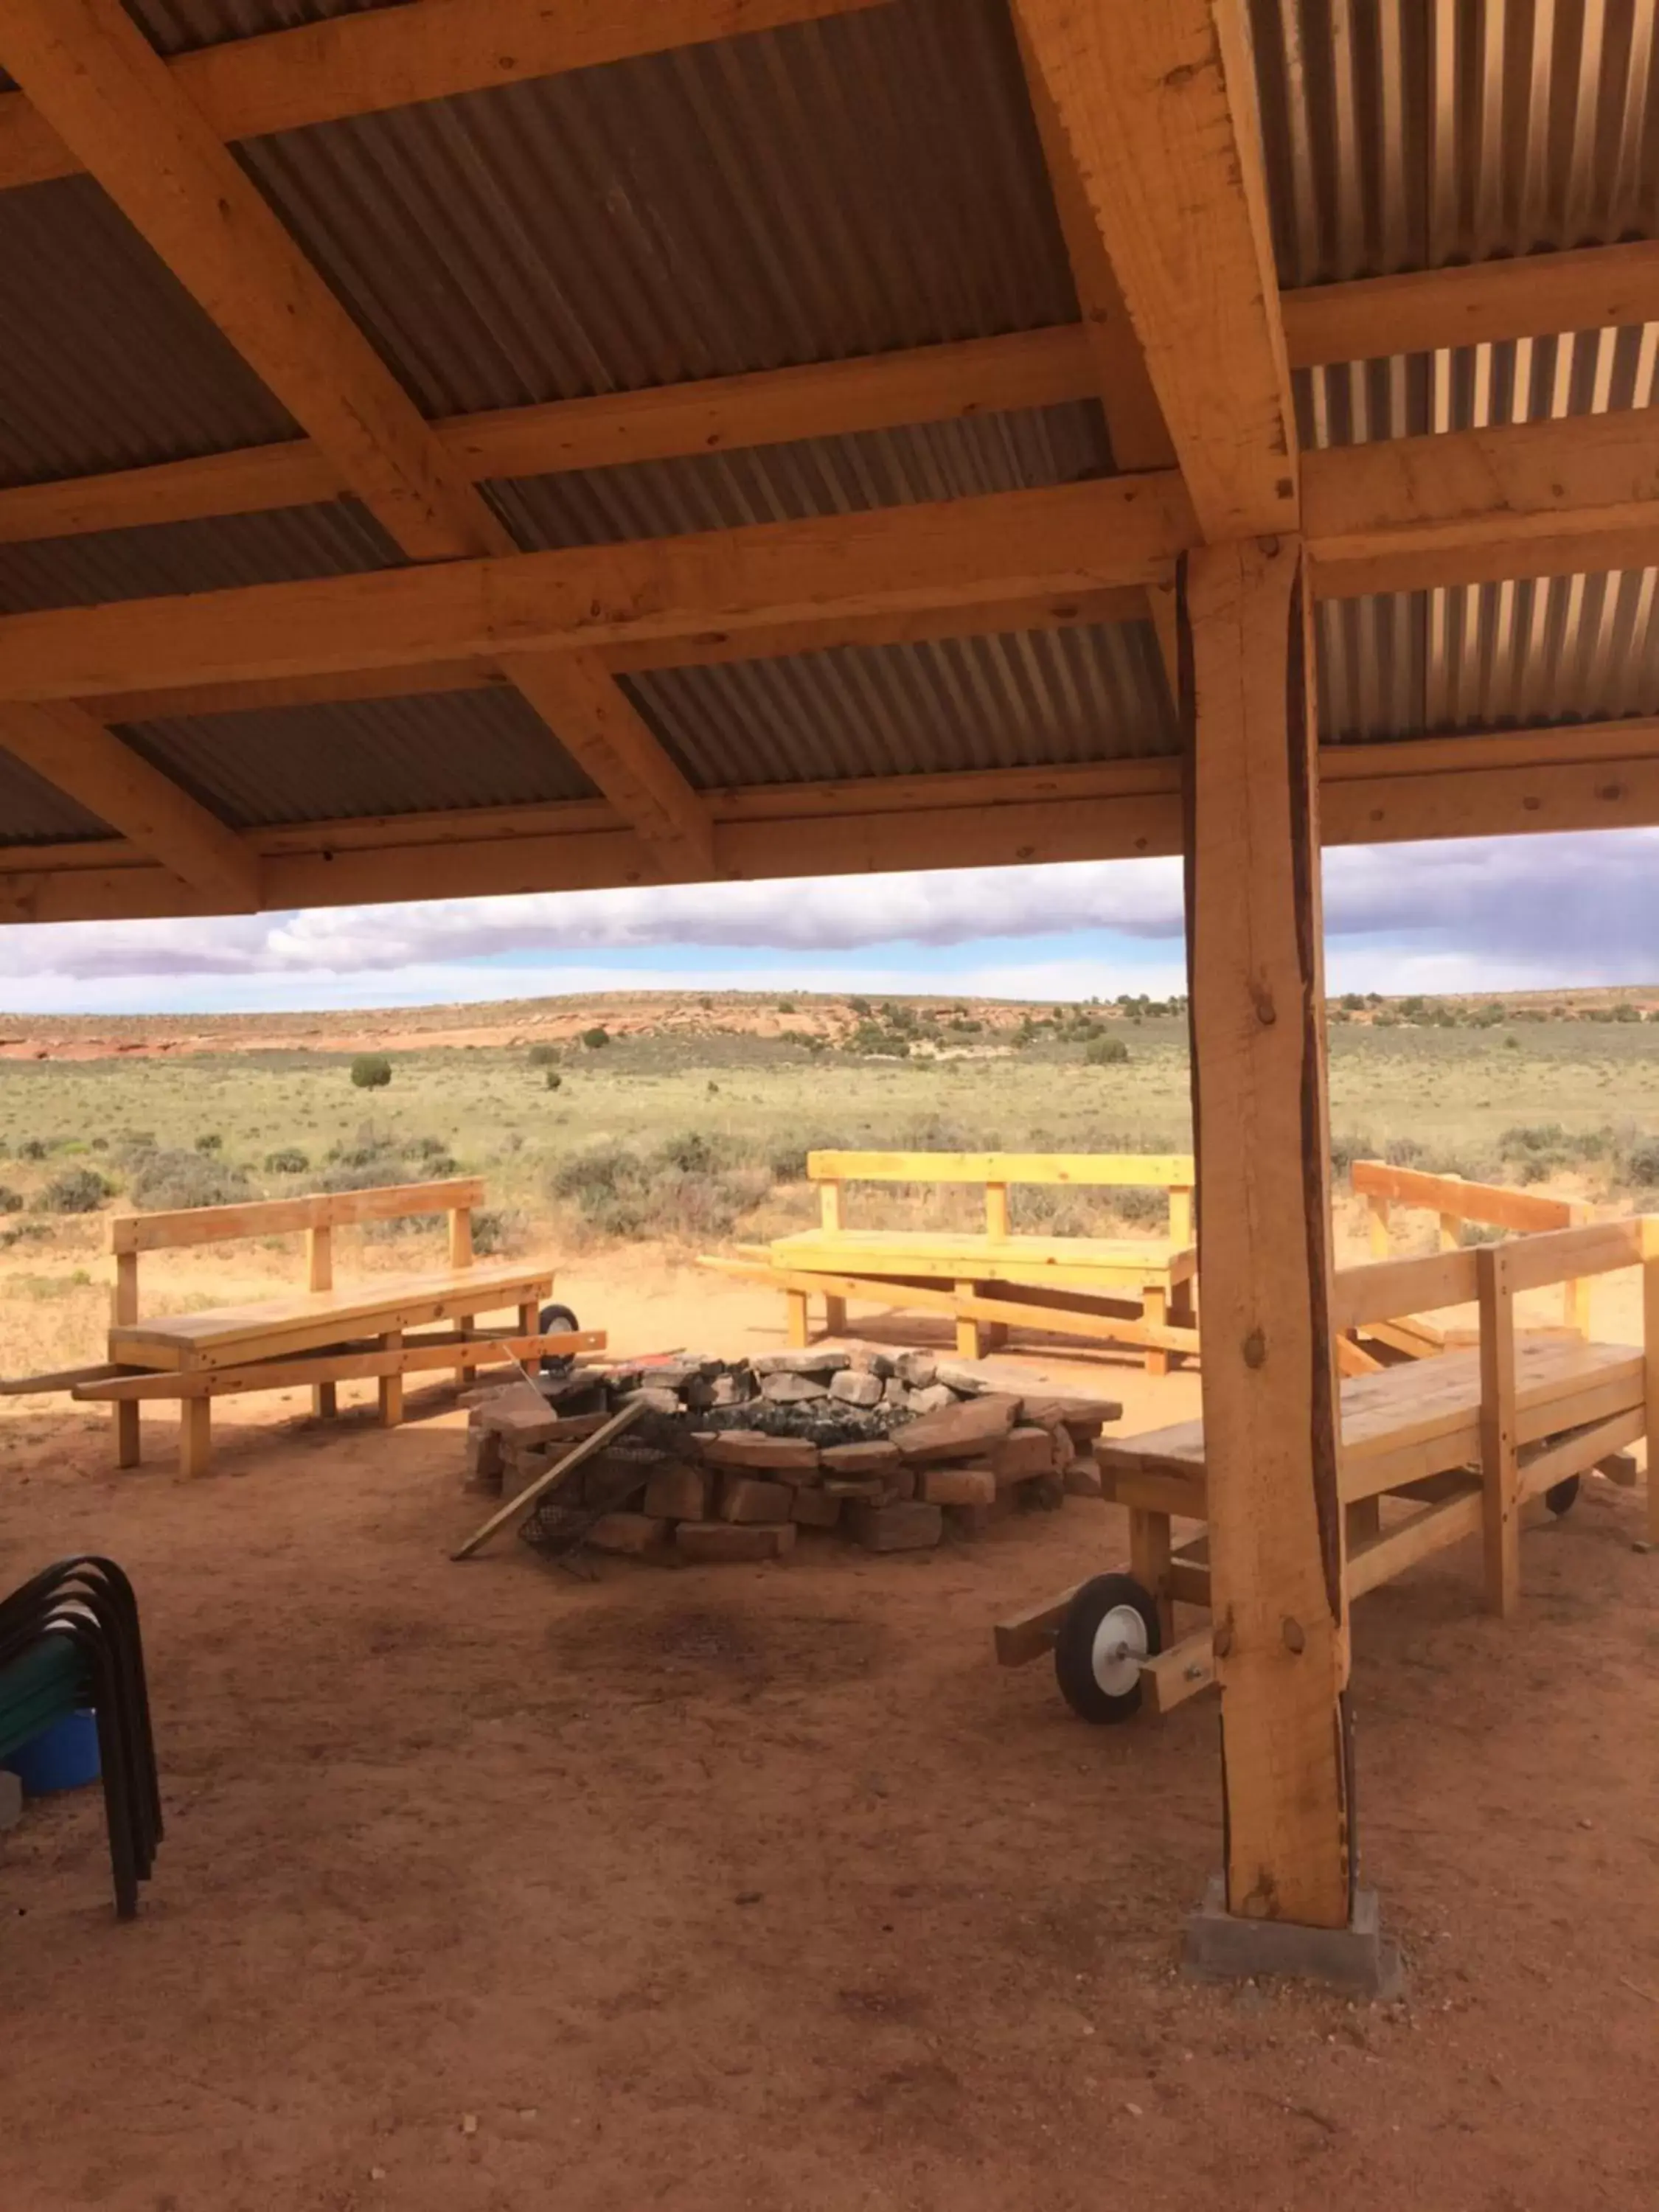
point(1259, 1113)
point(1357, 1958)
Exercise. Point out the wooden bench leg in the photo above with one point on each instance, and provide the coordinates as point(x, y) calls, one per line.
point(834, 1316)
point(1155, 1308)
point(798, 1322)
point(392, 1386)
point(325, 1400)
point(1364, 1521)
point(126, 1432)
point(970, 1336)
point(1149, 1562)
point(1499, 1472)
point(465, 1323)
point(195, 1435)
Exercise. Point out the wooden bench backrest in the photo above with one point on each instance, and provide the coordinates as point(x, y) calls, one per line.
point(1523, 1212)
point(1173, 1172)
point(319, 1213)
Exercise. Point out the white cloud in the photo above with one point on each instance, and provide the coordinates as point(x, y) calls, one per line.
point(1542, 911)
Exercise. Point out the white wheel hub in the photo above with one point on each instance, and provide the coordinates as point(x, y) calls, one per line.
point(1119, 1646)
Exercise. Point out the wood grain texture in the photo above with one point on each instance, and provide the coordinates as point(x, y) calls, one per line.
point(1157, 108)
point(1269, 1370)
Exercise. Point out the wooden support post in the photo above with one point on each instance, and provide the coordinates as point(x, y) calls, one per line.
point(798, 1329)
point(1149, 1562)
point(1651, 1344)
point(1452, 1226)
point(996, 1209)
point(1155, 1308)
point(830, 1210)
point(1259, 1110)
point(319, 1254)
point(1501, 1503)
point(971, 1335)
point(1378, 1225)
point(195, 1435)
point(460, 1256)
point(124, 1311)
point(1181, 1217)
point(392, 1386)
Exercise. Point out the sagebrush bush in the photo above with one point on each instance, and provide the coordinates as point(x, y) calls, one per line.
point(1107, 1052)
point(209, 1141)
point(542, 1055)
point(371, 1071)
point(81, 1190)
point(689, 1186)
point(162, 1180)
point(596, 1039)
point(11, 1201)
point(288, 1160)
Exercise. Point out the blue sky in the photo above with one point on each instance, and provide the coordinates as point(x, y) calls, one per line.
point(1525, 913)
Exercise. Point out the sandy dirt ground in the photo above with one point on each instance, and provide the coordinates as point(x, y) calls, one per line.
point(485, 1888)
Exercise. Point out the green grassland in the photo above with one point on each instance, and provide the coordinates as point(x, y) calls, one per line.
point(700, 1134)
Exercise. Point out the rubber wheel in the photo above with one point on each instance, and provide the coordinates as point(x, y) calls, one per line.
point(1562, 1497)
point(549, 1321)
point(1109, 1627)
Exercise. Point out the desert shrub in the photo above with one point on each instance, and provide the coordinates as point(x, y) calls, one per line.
point(209, 1141)
point(1404, 1152)
point(1141, 1209)
point(11, 1201)
point(542, 1055)
point(691, 1185)
point(1346, 1148)
point(596, 1039)
point(499, 1229)
point(81, 1190)
point(1639, 1162)
point(555, 1080)
point(164, 1179)
point(33, 1148)
point(371, 1071)
point(429, 1151)
point(1107, 1052)
point(289, 1160)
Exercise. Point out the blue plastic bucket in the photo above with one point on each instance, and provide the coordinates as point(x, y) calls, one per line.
point(63, 1757)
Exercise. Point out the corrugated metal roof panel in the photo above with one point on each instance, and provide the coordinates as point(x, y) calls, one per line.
point(178, 27)
point(1406, 134)
point(32, 813)
point(844, 186)
point(118, 366)
point(283, 546)
point(817, 476)
point(1026, 700)
point(1490, 656)
point(485, 748)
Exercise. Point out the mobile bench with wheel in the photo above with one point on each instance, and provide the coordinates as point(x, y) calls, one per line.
point(1431, 1452)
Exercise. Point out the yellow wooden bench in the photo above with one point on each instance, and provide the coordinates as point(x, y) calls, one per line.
point(1128, 1290)
point(316, 1337)
point(1432, 1452)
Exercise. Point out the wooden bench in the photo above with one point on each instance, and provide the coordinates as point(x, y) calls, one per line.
point(316, 1337)
point(1133, 1291)
point(1431, 1452)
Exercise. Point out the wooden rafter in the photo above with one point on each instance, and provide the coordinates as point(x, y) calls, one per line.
point(428, 50)
point(1536, 297)
point(1468, 506)
point(691, 597)
point(600, 728)
point(1157, 108)
point(1600, 776)
point(87, 66)
point(74, 752)
point(927, 384)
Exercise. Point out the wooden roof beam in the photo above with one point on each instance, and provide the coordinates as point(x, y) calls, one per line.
point(1157, 107)
point(1469, 507)
point(87, 66)
point(927, 384)
point(963, 563)
point(67, 748)
point(426, 50)
point(1536, 295)
point(1602, 776)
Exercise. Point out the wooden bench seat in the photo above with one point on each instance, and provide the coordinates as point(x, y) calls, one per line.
point(223, 1336)
point(1124, 1290)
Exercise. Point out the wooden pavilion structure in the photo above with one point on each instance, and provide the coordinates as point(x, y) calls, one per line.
point(460, 446)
